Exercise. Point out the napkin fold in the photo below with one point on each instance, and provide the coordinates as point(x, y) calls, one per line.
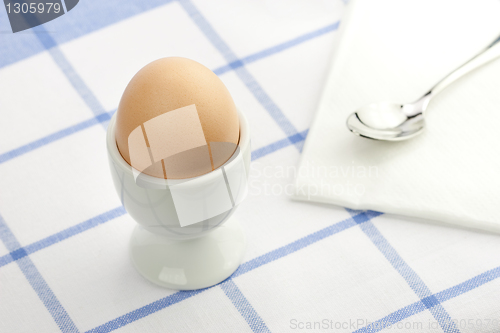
point(393, 50)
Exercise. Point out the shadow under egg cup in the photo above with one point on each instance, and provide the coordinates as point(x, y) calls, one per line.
point(198, 254)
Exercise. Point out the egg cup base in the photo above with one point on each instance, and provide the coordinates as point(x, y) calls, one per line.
point(188, 264)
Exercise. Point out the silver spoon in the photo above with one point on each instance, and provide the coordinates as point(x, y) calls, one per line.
point(395, 122)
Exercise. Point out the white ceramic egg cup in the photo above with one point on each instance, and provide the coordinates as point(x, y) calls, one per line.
point(184, 258)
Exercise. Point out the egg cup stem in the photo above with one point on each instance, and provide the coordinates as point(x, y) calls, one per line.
point(188, 264)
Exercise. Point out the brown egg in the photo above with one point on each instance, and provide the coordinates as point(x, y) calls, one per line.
point(177, 120)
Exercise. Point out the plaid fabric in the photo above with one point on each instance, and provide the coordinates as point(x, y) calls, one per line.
point(63, 253)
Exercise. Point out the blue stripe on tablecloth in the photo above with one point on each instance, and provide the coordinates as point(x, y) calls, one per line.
point(36, 281)
point(102, 118)
point(393, 318)
point(88, 16)
point(265, 100)
point(468, 285)
point(276, 49)
point(271, 148)
point(243, 306)
point(441, 296)
point(411, 277)
point(21, 252)
point(145, 311)
point(297, 245)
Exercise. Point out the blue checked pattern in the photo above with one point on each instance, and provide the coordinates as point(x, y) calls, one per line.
point(20, 255)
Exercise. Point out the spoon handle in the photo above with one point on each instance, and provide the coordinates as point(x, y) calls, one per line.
point(486, 55)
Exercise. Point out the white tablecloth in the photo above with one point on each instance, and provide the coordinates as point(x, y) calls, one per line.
point(64, 264)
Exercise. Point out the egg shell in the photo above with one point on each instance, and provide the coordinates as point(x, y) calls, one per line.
point(177, 84)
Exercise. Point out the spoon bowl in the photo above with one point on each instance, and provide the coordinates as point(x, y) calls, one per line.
point(387, 121)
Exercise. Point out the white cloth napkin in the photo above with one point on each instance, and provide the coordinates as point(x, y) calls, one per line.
point(392, 50)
